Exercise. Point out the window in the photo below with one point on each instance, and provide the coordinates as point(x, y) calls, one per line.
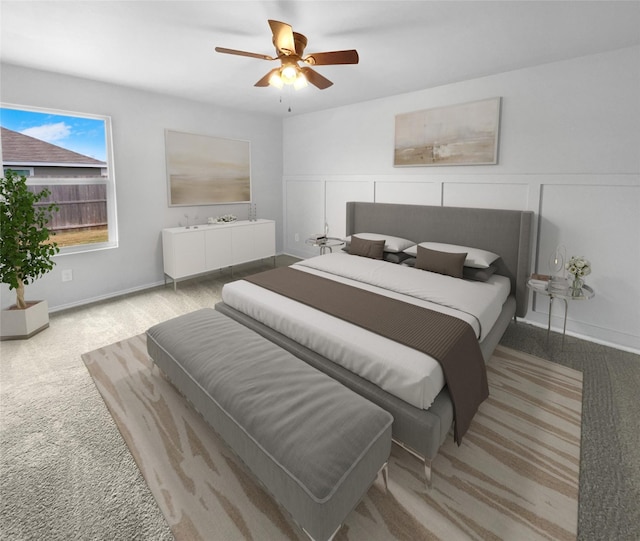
point(70, 154)
point(22, 172)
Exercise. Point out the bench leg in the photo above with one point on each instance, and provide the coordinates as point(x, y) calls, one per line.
point(330, 537)
point(385, 475)
point(428, 473)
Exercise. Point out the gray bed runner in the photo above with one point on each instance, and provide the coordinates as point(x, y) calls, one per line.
point(449, 340)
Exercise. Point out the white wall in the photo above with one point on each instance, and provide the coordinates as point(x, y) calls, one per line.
point(138, 123)
point(569, 150)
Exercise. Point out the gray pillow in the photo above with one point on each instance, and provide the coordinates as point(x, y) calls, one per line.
point(441, 262)
point(468, 273)
point(476, 257)
point(479, 275)
point(393, 257)
point(366, 248)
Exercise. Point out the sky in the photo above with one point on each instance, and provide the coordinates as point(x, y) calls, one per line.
point(81, 134)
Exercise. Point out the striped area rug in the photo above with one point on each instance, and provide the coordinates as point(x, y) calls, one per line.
point(515, 476)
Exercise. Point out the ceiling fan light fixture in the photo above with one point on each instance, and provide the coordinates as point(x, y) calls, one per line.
point(289, 74)
point(300, 82)
point(276, 80)
point(290, 48)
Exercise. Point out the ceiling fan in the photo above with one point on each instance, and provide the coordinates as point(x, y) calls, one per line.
point(290, 49)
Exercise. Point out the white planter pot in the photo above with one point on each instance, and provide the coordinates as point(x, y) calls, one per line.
point(20, 324)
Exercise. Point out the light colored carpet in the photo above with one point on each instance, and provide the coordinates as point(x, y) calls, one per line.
point(65, 472)
point(514, 477)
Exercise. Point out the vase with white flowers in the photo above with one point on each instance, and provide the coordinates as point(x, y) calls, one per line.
point(578, 267)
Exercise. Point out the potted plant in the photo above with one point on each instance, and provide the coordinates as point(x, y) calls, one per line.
point(26, 253)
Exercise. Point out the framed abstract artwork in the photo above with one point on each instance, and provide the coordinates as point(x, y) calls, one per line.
point(204, 170)
point(463, 134)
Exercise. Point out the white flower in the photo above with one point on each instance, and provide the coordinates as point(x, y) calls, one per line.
point(578, 266)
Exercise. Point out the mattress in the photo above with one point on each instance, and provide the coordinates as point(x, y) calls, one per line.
point(409, 375)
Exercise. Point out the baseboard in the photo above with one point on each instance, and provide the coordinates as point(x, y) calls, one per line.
point(584, 337)
point(102, 298)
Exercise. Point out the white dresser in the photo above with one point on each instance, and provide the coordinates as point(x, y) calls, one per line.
point(203, 248)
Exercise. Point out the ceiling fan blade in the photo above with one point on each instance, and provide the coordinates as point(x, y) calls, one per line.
point(315, 78)
point(244, 53)
point(333, 57)
point(283, 37)
point(265, 80)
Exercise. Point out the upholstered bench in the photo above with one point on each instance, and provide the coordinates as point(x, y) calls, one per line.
point(315, 445)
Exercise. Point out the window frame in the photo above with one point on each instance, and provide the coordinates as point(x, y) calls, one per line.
point(109, 181)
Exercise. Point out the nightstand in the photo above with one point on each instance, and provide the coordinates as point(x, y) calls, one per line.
point(327, 243)
point(583, 294)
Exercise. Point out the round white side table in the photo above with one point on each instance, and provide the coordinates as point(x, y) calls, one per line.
point(583, 294)
point(325, 244)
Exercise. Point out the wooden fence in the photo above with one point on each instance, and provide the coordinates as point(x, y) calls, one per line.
point(82, 206)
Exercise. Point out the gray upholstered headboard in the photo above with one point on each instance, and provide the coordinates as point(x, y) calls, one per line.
point(504, 232)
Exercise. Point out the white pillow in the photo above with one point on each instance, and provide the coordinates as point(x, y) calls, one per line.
point(391, 244)
point(476, 258)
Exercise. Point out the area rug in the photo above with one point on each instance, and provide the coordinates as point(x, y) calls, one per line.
point(515, 476)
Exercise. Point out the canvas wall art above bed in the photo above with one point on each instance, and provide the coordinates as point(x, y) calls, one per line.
point(462, 134)
point(421, 297)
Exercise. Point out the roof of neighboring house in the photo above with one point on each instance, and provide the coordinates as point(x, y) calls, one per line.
point(22, 149)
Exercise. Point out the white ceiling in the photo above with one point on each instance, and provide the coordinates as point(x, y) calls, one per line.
point(168, 46)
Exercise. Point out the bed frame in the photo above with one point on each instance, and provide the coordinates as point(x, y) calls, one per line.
point(505, 232)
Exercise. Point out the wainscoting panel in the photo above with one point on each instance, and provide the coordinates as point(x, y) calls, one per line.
point(304, 215)
point(409, 193)
point(337, 195)
point(486, 195)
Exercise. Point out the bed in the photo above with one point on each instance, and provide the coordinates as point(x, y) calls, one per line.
point(409, 384)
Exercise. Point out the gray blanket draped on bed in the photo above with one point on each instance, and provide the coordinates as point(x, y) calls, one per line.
point(449, 340)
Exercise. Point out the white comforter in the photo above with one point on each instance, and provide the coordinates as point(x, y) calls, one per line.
point(404, 372)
